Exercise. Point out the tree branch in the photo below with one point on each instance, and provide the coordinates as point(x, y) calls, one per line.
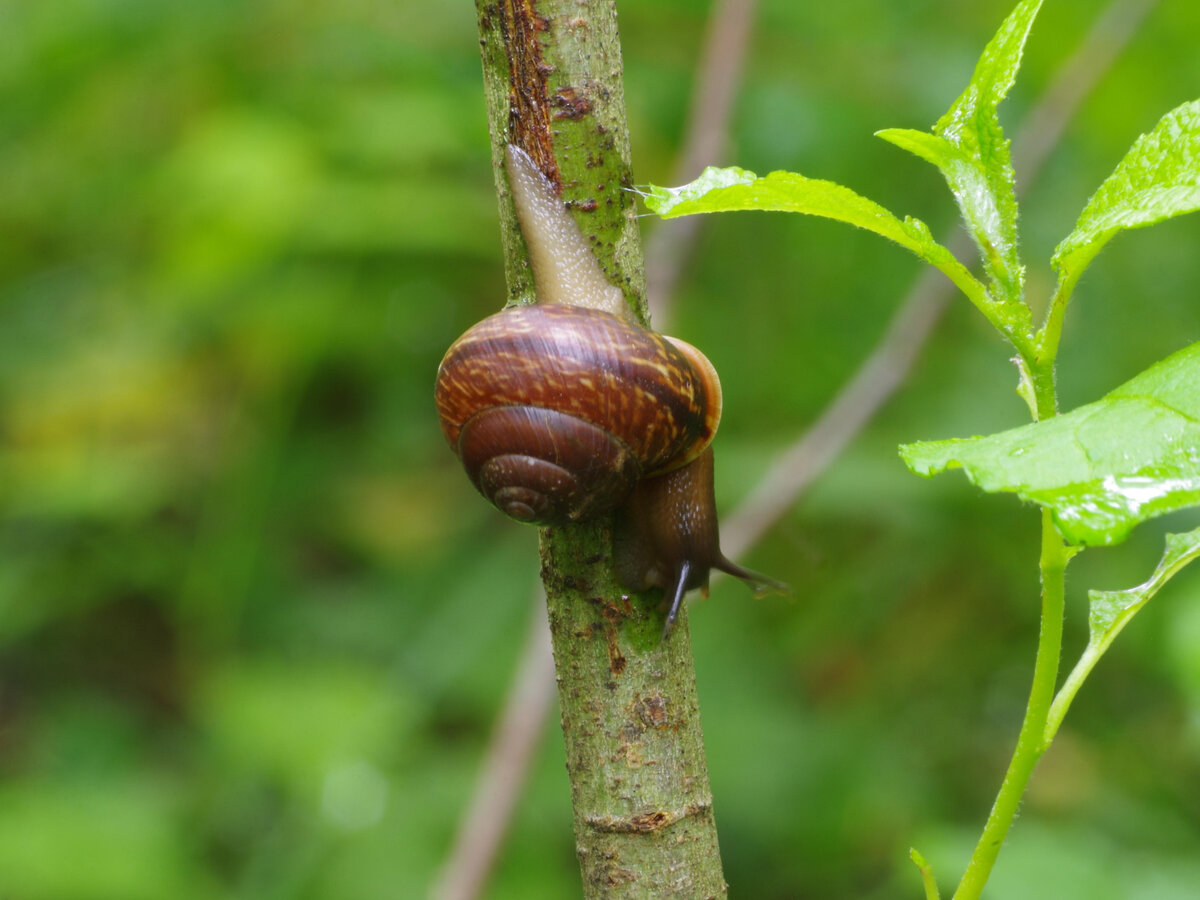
point(513, 744)
point(718, 79)
point(644, 825)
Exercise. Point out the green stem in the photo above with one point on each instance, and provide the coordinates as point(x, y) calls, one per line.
point(1047, 338)
point(1038, 358)
point(1045, 398)
point(927, 879)
point(1070, 687)
point(1031, 743)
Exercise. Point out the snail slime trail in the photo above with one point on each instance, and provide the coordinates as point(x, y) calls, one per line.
point(568, 410)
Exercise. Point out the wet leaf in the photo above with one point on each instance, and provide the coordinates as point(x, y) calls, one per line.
point(1158, 179)
point(734, 189)
point(1111, 610)
point(969, 147)
point(1101, 469)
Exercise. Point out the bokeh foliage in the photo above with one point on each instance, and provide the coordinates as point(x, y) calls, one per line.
point(254, 624)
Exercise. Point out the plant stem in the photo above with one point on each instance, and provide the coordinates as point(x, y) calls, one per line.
point(1045, 398)
point(644, 824)
point(1031, 743)
point(1046, 340)
point(927, 878)
point(1071, 685)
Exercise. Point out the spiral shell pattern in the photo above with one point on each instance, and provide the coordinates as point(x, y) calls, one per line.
point(557, 411)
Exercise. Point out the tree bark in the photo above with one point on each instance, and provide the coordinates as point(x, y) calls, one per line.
point(644, 823)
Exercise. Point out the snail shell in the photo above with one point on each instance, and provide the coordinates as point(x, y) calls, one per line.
point(557, 411)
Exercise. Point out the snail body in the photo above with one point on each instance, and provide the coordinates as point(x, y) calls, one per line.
point(568, 409)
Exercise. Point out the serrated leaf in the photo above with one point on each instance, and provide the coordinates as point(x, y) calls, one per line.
point(734, 189)
point(1102, 468)
point(1111, 610)
point(1159, 178)
point(994, 75)
point(969, 147)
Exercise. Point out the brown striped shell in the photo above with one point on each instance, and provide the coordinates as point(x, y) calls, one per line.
point(558, 411)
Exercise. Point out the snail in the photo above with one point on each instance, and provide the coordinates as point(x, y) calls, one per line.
point(568, 409)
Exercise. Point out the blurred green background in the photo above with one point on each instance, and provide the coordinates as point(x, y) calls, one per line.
point(255, 625)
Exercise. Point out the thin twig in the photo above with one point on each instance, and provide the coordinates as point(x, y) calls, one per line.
point(505, 766)
point(718, 79)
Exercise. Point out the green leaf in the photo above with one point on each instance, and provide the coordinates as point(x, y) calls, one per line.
point(1102, 468)
point(734, 189)
point(969, 147)
point(1159, 178)
point(1109, 612)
